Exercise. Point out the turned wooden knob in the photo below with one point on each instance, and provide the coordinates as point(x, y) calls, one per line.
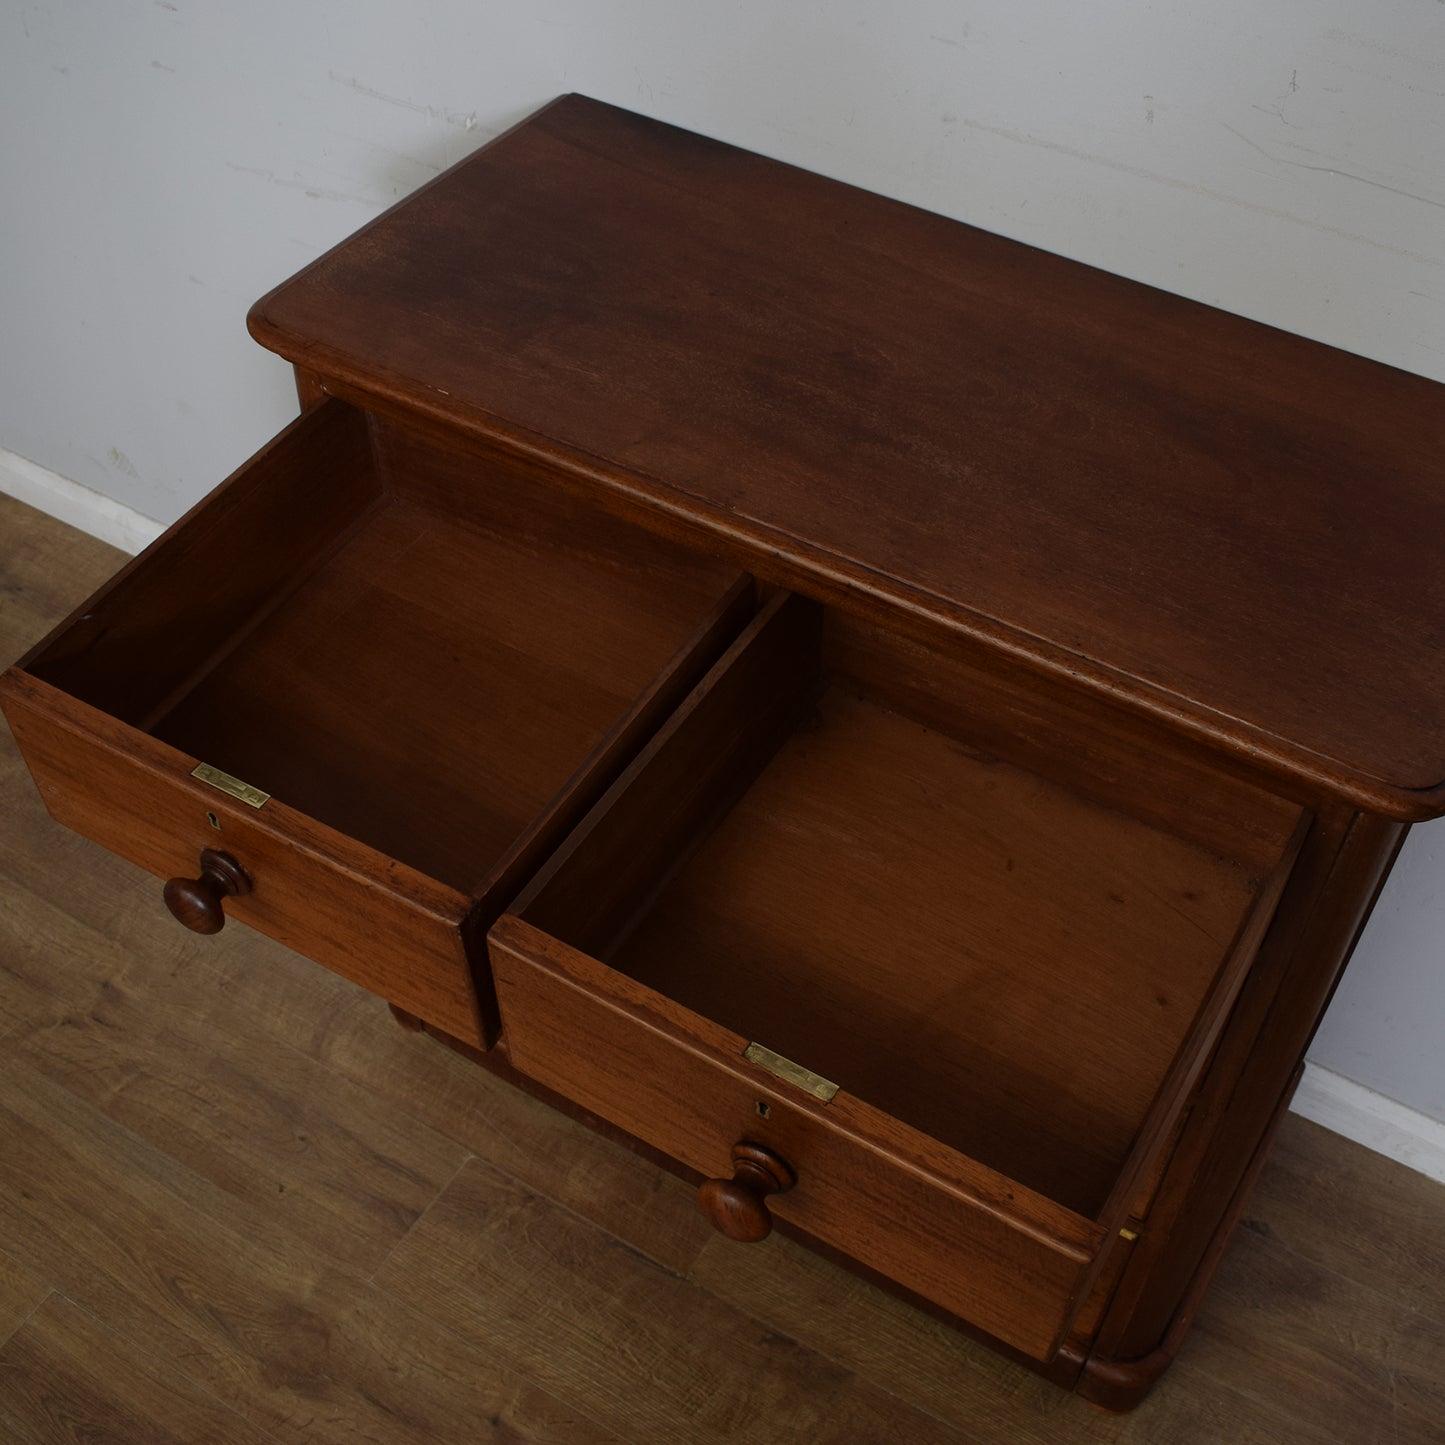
point(197, 901)
point(738, 1207)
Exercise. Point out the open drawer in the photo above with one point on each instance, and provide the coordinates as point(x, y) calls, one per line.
point(432, 661)
point(958, 1006)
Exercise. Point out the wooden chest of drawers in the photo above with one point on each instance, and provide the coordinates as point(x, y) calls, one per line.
point(905, 727)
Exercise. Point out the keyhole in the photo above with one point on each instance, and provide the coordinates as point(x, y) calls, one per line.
point(213, 820)
point(764, 1109)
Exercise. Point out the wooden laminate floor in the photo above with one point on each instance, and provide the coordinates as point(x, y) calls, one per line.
point(237, 1204)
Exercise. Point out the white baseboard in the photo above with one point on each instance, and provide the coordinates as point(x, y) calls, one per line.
point(1381, 1124)
point(68, 501)
point(1330, 1099)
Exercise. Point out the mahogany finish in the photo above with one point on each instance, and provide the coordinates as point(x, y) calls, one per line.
point(702, 605)
point(1029, 1022)
point(132, 651)
point(381, 924)
point(430, 700)
point(738, 1207)
point(1125, 489)
point(943, 1225)
point(196, 902)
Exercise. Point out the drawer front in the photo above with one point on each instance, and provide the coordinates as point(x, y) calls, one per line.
point(376, 922)
point(1015, 1264)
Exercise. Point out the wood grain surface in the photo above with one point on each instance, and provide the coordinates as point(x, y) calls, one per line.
point(238, 1204)
point(433, 685)
point(989, 959)
point(1227, 524)
point(387, 926)
point(68, 1377)
point(429, 702)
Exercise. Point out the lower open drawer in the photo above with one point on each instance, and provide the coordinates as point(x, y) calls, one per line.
point(404, 668)
point(990, 995)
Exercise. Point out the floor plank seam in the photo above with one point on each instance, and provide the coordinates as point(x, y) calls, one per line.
point(50, 1293)
point(575, 1213)
point(417, 1222)
point(852, 1370)
point(728, 1304)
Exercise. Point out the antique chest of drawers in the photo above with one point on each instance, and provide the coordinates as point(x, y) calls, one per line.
point(905, 727)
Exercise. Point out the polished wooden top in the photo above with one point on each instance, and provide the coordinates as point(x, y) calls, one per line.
point(1213, 520)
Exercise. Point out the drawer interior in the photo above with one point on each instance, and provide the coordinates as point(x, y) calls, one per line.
point(1019, 971)
point(415, 646)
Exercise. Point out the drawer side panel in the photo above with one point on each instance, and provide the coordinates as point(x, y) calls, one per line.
point(144, 638)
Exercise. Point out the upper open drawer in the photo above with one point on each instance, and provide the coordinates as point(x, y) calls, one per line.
point(1011, 986)
point(432, 661)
